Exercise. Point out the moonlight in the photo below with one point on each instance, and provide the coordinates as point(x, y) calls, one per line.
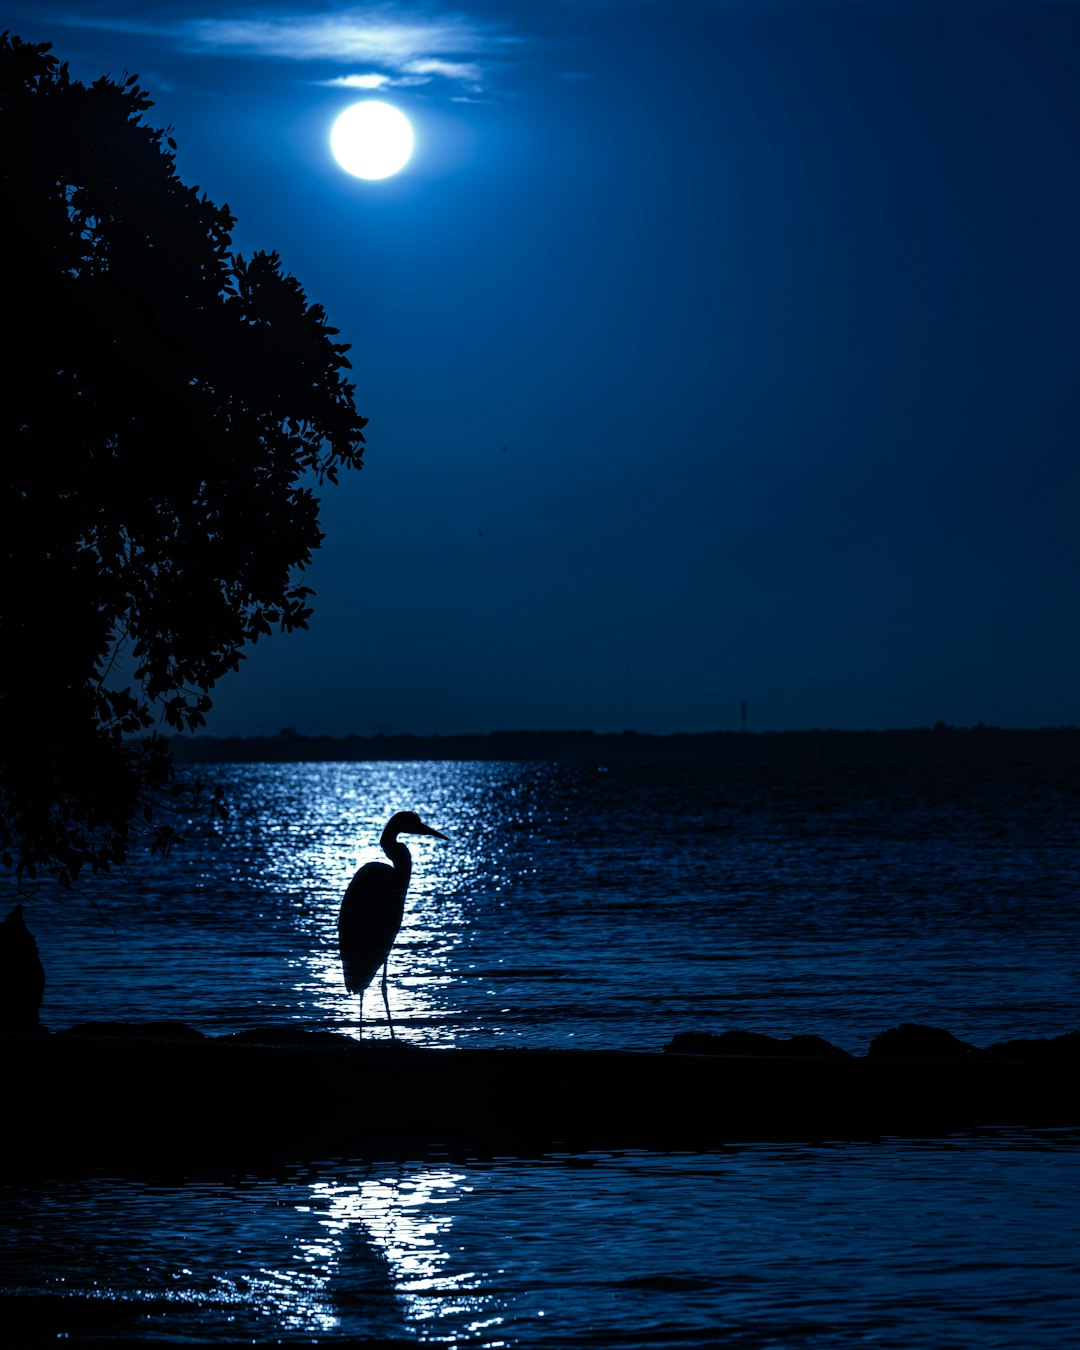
point(372, 140)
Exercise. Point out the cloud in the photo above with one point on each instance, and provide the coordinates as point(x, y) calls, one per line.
point(420, 44)
point(451, 70)
point(417, 72)
point(373, 80)
point(371, 35)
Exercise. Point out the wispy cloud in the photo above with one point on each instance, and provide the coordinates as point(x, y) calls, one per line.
point(470, 73)
point(416, 45)
point(450, 70)
point(373, 80)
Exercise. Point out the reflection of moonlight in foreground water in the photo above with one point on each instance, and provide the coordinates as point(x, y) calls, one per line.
point(372, 140)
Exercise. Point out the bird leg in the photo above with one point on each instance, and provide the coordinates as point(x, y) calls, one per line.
point(386, 1000)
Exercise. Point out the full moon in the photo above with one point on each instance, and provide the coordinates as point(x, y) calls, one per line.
point(372, 139)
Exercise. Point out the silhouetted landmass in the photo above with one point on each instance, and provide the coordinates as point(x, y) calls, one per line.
point(752, 1043)
point(930, 744)
point(164, 1096)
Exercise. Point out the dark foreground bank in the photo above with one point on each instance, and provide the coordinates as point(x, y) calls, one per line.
point(177, 1100)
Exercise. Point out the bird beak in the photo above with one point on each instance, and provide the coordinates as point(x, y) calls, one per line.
point(426, 829)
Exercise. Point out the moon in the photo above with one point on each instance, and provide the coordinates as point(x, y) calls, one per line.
point(372, 139)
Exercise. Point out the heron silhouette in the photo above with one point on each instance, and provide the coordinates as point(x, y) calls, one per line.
point(372, 907)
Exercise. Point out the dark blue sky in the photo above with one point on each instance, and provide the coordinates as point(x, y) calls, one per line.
point(713, 351)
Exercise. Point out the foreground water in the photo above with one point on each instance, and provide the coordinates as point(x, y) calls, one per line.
point(583, 906)
point(899, 1244)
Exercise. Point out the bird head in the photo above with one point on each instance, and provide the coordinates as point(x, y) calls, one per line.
point(408, 822)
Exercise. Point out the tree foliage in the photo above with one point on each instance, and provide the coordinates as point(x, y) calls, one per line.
point(167, 408)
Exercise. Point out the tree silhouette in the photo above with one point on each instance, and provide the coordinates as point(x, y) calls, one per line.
point(166, 410)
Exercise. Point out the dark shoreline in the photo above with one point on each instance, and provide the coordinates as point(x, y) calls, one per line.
point(939, 744)
point(155, 1104)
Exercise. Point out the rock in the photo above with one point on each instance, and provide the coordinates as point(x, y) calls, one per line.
point(1047, 1049)
point(814, 1047)
point(752, 1043)
point(22, 976)
point(166, 1031)
point(722, 1043)
point(912, 1040)
point(287, 1036)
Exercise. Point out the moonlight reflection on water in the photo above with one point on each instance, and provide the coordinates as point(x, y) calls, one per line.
point(899, 1244)
point(580, 906)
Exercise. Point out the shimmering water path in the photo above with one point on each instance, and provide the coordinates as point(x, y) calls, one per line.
point(967, 1242)
point(577, 905)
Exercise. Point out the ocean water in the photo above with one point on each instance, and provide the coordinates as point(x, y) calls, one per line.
point(588, 905)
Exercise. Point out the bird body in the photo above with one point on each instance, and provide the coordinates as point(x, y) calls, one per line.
point(371, 915)
point(372, 909)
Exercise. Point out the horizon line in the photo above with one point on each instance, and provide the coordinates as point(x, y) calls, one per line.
point(937, 728)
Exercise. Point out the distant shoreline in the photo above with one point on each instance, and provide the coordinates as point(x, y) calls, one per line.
point(939, 744)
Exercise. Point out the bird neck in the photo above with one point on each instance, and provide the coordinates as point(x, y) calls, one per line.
point(398, 854)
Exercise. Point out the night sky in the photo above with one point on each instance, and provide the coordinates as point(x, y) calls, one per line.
point(712, 351)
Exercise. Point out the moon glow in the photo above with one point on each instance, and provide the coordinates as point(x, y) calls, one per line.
point(372, 139)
